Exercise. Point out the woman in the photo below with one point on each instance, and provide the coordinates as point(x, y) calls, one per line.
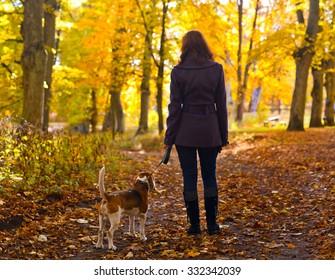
point(198, 122)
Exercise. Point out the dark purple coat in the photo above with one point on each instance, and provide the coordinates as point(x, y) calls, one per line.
point(198, 108)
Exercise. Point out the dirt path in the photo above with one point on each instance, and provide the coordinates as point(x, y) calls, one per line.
point(276, 195)
point(277, 201)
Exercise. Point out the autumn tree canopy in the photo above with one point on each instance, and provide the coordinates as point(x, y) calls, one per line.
point(107, 63)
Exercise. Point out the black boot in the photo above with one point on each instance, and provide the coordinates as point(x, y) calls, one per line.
point(211, 206)
point(192, 208)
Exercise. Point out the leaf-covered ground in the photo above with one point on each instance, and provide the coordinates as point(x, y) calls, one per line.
point(277, 201)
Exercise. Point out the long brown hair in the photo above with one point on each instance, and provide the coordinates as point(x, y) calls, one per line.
point(195, 45)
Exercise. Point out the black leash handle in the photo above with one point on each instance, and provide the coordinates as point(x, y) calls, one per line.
point(166, 157)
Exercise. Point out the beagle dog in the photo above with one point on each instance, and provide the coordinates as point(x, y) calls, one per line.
point(133, 202)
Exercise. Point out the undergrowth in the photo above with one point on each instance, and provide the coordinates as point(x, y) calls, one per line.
point(51, 162)
point(32, 161)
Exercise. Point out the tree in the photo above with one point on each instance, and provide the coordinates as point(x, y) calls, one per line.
point(50, 9)
point(330, 89)
point(318, 66)
point(33, 63)
point(121, 49)
point(103, 53)
point(242, 88)
point(114, 119)
point(147, 17)
point(303, 58)
point(317, 96)
point(330, 66)
point(240, 93)
point(160, 65)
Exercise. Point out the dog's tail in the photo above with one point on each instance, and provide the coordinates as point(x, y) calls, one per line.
point(102, 182)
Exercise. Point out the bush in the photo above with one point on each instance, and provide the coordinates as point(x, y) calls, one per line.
point(29, 160)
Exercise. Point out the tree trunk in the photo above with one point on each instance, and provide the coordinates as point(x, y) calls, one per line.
point(94, 111)
point(255, 98)
point(159, 99)
point(119, 114)
point(114, 119)
point(160, 76)
point(50, 8)
point(240, 93)
point(248, 65)
point(33, 63)
point(330, 80)
point(299, 95)
point(145, 84)
point(148, 19)
point(303, 58)
point(109, 121)
point(115, 116)
point(330, 91)
point(316, 114)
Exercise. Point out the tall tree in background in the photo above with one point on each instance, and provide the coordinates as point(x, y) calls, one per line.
point(120, 60)
point(330, 69)
point(114, 119)
point(94, 111)
point(316, 113)
point(318, 76)
point(303, 58)
point(240, 93)
point(242, 89)
point(330, 89)
point(50, 9)
point(33, 63)
point(147, 18)
point(160, 75)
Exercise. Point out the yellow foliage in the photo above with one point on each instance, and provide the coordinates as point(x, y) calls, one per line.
point(101, 50)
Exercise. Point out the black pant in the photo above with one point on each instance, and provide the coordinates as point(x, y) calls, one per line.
point(188, 163)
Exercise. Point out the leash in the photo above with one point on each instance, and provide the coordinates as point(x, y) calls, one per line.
point(165, 159)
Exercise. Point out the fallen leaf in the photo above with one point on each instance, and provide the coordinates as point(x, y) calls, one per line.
point(82, 221)
point(42, 238)
point(274, 245)
point(274, 210)
point(129, 255)
point(86, 239)
point(291, 246)
point(258, 224)
point(296, 234)
point(167, 252)
point(193, 254)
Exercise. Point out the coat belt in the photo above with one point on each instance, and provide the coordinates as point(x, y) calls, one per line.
point(207, 109)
